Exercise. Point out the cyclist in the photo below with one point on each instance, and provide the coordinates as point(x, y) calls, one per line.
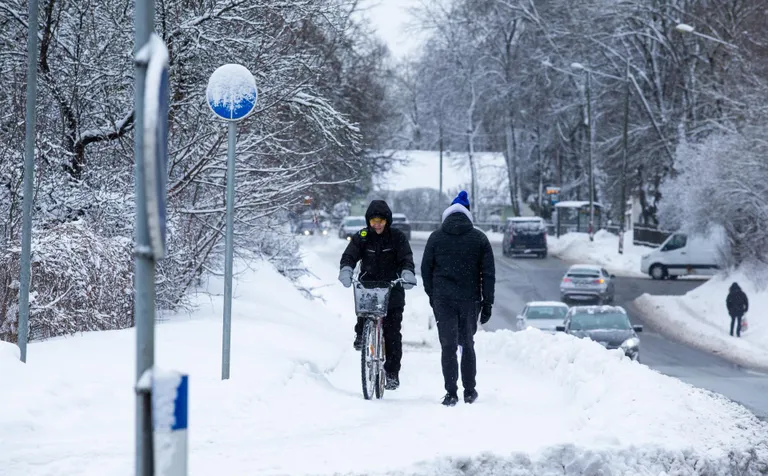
point(384, 254)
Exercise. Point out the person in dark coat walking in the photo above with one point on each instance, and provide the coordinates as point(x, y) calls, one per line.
point(738, 305)
point(385, 255)
point(459, 277)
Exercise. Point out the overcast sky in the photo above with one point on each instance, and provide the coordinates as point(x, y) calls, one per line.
point(391, 18)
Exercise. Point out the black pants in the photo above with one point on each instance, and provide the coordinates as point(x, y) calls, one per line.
point(393, 339)
point(738, 327)
point(456, 326)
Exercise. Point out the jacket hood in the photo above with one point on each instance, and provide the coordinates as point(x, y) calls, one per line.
point(457, 220)
point(378, 208)
point(735, 287)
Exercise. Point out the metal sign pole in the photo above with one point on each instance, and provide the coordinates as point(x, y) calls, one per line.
point(227, 334)
point(29, 173)
point(231, 94)
point(144, 263)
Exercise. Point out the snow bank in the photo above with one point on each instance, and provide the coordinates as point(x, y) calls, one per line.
point(548, 403)
point(603, 251)
point(701, 319)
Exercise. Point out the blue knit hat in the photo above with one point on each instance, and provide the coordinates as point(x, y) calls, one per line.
point(461, 199)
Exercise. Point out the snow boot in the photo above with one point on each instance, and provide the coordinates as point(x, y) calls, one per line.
point(470, 396)
point(450, 400)
point(358, 344)
point(393, 381)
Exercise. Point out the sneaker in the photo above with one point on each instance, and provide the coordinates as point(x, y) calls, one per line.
point(470, 396)
point(393, 381)
point(450, 400)
point(358, 342)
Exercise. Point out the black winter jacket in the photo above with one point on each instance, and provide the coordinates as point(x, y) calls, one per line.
point(458, 262)
point(737, 301)
point(382, 257)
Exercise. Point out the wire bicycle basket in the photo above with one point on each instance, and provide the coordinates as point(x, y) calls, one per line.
point(372, 298)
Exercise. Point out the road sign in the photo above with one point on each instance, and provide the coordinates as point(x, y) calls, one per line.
point(231, 92)
point(554, 194)
point(156, 99)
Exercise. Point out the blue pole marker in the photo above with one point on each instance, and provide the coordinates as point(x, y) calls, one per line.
point(231, 93)
point(170, 413)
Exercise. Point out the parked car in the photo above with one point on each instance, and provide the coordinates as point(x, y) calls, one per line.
point(607, 325)
point(400, 221)
point(680, 255)
point(310, 227)
point(351, 225)
point(543, 315)
point(525, 235)
point(587, 282)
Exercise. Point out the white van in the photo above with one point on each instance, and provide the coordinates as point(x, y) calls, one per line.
point(682, 255)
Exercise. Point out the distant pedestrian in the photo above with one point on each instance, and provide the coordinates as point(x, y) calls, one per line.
point(738, 305)
point(459, 277)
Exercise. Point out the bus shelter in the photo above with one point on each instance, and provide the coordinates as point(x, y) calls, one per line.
point(573, 216)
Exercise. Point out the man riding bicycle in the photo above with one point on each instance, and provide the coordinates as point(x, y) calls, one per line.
point(384, 254)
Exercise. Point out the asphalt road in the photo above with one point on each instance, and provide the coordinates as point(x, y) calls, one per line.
point(529, 279)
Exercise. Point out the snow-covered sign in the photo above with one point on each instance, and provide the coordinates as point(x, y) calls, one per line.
point(156, 99)
point(170, 403)
point(231, 92)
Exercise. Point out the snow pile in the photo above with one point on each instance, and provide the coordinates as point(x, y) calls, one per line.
point(603, 251)
point(700, 318)
point(293, 405)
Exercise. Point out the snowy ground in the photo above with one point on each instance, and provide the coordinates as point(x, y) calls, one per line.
point(700, 318)
point(549, 404)
point(604, 250)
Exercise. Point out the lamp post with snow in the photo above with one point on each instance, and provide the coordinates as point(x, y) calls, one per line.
point(590, 135)
point(688, 29)
point(231, 94)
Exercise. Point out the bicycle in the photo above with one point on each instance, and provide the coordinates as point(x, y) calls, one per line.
point(371, 302)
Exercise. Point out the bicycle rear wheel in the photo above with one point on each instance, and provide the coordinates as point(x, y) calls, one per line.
point(368, 364)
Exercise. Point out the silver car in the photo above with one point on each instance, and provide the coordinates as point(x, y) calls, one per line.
point(587, 282)
point(543, 315)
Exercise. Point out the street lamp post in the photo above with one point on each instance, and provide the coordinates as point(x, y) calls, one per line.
point(590, 135)
point(688, 29)
point(625, 140)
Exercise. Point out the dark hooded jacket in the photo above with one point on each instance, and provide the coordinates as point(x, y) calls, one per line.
point(382, 257)
point(737, 301)
point(458, 261)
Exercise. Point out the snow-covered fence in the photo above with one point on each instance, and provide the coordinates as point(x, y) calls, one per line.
point(81, 281)
point(645, 235)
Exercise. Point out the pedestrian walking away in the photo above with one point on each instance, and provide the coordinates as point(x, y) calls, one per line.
point(738, 305)
point(384, 254)
point(459, 277)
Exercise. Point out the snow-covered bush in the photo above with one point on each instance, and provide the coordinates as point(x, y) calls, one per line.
point(81, 281)
point(723, 182)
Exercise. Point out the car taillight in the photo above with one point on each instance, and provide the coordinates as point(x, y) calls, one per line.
point(599, 281)
point(566, 280)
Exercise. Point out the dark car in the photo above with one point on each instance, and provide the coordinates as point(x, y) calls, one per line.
point(401, 222)
point(351, 225)
point(525, 235)
point(310, 227)
point(607, 325)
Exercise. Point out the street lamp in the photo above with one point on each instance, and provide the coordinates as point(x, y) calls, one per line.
point(688, 29)
point(580, 67)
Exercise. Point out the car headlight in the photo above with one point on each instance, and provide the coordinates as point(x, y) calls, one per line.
point(306, 232)
point(325, 232)
point(631, 343)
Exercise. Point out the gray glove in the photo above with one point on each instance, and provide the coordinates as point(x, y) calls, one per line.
point(345, 276)
point(409, 279)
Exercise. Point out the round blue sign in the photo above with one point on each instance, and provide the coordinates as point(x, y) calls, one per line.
point(231, 93)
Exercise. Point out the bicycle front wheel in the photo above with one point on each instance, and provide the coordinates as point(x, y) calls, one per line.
point(380, 359)
point(368, 364)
